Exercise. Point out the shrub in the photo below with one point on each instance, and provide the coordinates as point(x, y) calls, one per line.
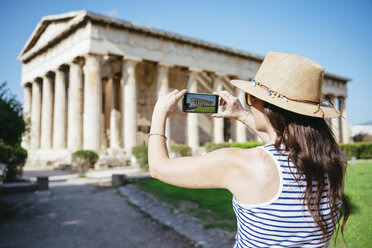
point(365, 150)
point(14, 157)
point(141, 153)
point(248, 144)
point(211, 146)
point(181, 150)
point(358, 150)
point(84, 159)
point(350, 150)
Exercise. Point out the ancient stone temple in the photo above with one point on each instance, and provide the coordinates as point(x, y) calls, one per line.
point(91, 82)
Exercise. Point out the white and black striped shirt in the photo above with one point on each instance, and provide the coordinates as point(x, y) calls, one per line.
point(285, 220)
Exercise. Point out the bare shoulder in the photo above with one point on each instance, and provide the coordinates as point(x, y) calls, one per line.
point(253, 153)
point(237, 156)
point(249, 156)
point(264, 164)
point(249, 161)
point(257, 178)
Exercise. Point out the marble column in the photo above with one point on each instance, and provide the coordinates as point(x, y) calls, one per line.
point(241, 129)
point(122, 103)
point(115, 128)
point(27, 99)
point(218, 122)
point(163, 89)
point(344, 128)
point(75, 105)
point(129, 104)
point(27, 103)
point(108, 106)
point(47, 112)
point(114, 114)
point(192, 119)
point(36, 114)
point(327, 120)
point(334, 121)
point(60, 108)
point(92, 103)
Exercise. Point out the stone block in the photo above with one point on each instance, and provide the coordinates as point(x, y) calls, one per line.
point(18, 188)
point(118, 179)
point(43, 183)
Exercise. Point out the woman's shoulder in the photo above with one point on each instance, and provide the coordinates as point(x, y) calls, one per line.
point(248, 159)
point(257, 175)
point(238, 153)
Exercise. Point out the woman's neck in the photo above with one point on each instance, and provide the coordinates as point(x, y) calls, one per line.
point(271, 135)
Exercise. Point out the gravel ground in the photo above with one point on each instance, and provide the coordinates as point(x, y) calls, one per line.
point(183, 223)
point(80, 215)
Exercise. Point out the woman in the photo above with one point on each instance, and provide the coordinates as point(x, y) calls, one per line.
point(286, 193)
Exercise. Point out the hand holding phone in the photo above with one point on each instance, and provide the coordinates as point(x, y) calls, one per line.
point(200, 103)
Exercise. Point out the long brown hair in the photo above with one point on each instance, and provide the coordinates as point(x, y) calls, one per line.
point(314, 152)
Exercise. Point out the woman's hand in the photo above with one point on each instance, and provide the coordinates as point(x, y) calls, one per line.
point(166, 105)
point(234, 108)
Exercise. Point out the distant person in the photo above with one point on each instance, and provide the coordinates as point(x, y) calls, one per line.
point(286, 193)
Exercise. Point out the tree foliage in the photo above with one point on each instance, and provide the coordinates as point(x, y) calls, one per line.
point(363, 137)
point(14, 158)
point(12, 126)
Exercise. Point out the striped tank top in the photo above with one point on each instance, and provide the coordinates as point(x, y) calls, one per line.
point(283, 221)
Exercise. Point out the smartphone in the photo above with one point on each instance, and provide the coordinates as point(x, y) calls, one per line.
point(200, 103)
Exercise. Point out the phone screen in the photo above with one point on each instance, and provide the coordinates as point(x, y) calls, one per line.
point(200, 103)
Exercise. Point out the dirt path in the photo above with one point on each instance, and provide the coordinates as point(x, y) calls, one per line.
point(81, 216)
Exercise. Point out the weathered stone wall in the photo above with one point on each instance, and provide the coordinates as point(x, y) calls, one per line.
point(111, 40)
point(64, 51)
point(334, 87)
point(146, 98)
point(178, 80)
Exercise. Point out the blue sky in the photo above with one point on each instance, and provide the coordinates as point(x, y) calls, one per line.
point(336, 34)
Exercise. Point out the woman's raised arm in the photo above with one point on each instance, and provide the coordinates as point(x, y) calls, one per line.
point(213, 170)
point(235, 110)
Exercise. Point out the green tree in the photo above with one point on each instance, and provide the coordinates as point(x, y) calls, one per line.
point(12, 126)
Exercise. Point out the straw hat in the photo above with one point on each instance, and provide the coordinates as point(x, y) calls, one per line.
point(290, 82)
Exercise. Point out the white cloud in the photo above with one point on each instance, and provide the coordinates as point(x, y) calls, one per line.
point(153, 24)
point(113, 13)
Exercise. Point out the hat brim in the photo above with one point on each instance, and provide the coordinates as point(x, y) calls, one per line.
point(302, 108)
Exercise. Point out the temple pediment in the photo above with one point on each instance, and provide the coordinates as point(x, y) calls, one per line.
point(48, 30)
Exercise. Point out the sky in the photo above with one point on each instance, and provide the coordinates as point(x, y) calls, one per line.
point(335, 34)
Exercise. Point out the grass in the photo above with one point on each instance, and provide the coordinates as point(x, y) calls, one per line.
point(214, 207)
point(205, 109)
point(358, 187)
